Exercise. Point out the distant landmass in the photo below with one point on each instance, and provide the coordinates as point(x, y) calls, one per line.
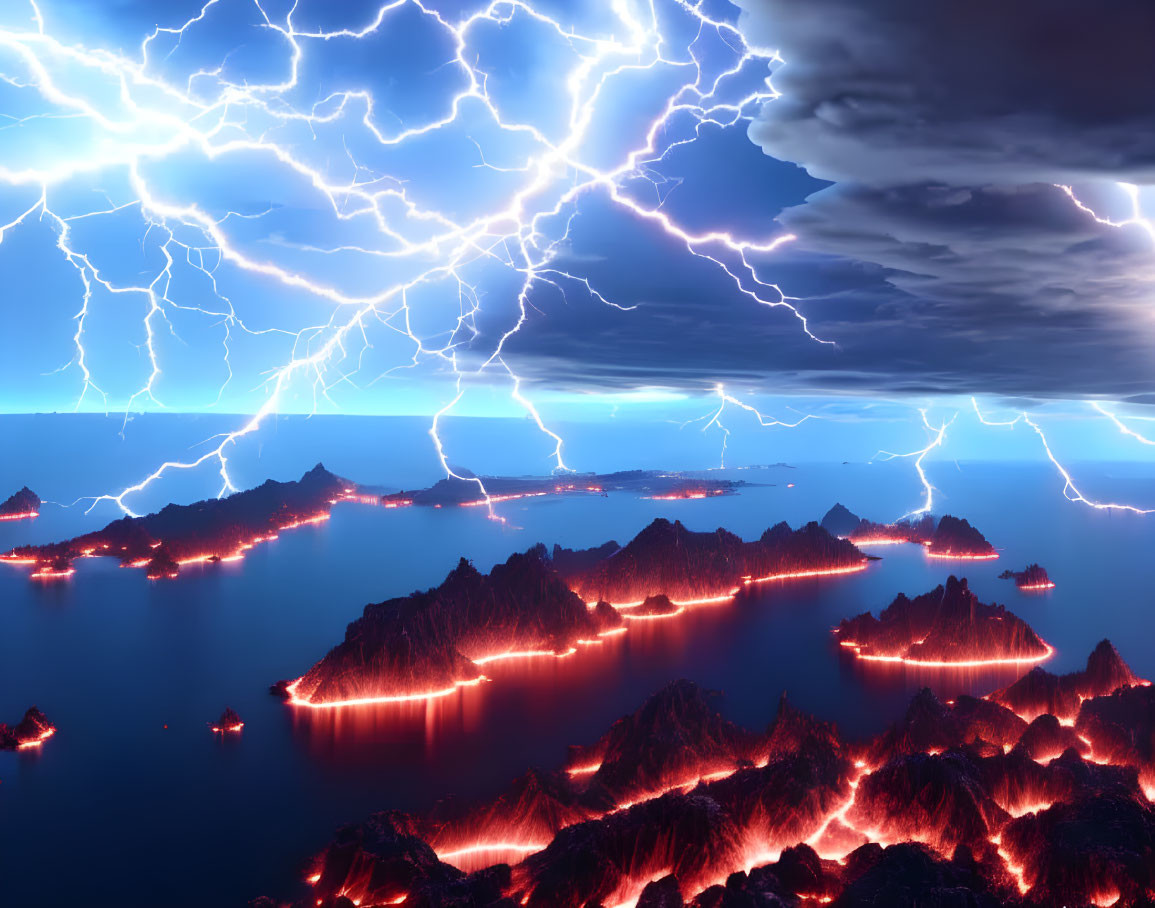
point(217, 529)
point(468, 491)
point(223, 529)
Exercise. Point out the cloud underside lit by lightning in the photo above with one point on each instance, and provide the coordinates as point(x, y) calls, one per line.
point(151, 118)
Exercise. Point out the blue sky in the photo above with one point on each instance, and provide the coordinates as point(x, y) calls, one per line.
point(235, 194)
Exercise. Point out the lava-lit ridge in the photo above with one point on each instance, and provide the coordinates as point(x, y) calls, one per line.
point(946, 627)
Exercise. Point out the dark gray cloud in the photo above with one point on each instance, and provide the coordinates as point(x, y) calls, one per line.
point(960, 91)
point(925, 289)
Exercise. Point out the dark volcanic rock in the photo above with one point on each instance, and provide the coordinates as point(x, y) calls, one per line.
point(426, 641)
point(1097, 849)
point(1121, 729)
point(675, 738)
point(1033, 577)
point(569, 562)
point(1046, 739)
point(162, 564)
point(533, 809)
point(666, 558)
point(663, 893)
point(229, 721)
point(760, 888)
point(688, 836)
point(930, 725)
point(215, 527)
point(1039, 691)
point(380, 860)
point(24, 503)
point(911, 876)
point(955, 536)
point(948, 624)
point(28, 732)
point(839, 521)
point(937, 799)
point(674, 799)
point(657, 606)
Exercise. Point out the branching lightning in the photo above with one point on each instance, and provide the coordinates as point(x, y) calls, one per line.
point(1070, 490)
point(938, 436)
point(714, 419)
point(154, 119)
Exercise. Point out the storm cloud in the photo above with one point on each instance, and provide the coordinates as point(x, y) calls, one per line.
point(960, 91)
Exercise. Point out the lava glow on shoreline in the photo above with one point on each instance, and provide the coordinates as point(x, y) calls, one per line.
point(294, 700)
point(964, 663)
point(962, 557)
point(36, 742)
point(23, 515)
point(746, 581)
point(682, 606)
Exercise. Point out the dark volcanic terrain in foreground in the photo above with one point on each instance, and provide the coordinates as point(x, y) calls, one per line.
point(965, 803)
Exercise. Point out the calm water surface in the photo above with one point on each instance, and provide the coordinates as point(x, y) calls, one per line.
point(136, 803)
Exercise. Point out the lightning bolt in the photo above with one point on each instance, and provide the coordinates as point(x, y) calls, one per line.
point(938, 436)
point(527, 233)
point(715, 419)
point(1136, 218)
point(1070, 490)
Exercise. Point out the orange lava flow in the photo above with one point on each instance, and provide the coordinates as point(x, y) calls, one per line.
point(37, 741)
point(49, 574)
point(294, 700)
point(227, 728)
point(523, 654)
point(584, 770)
point(23, 515)
point(964, 663)
point(746, 581)
point(482, 847)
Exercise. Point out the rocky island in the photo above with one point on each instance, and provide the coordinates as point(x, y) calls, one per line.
point(31, 731)
point(947, 626)
point(668, 559)
point(228, 723)
point(465, 489)
point(677, 806)
point(945, 537)
point(23, 505)
point(537, 604)
point(1033, 577)
point(213, 530)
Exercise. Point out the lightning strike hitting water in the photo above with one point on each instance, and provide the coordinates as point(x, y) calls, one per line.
point(939, 436)
point(1070, 490)
point(152, 119)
